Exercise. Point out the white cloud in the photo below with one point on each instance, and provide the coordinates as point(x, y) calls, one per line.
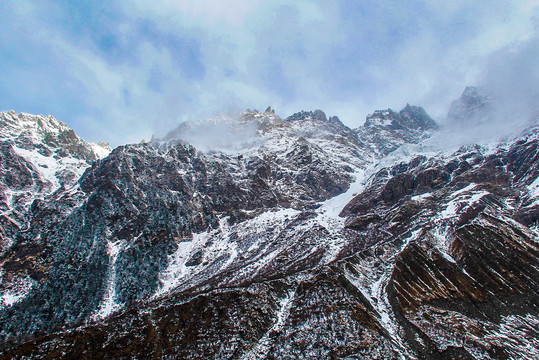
point(303, 55)
point(246, 38)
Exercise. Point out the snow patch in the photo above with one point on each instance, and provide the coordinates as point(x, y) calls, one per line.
point(441, 240)
point(421, 197)
point(458, 202)
point(409, 239)
point(109, 304)
point(533, 189)
point(101, 151)
point(328, 212)
point(261, 349)
point(328, 215)
point(16, 291)
point(464, 190)
point(176, 270)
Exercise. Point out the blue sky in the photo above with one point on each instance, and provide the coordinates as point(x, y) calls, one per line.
point(124, 70)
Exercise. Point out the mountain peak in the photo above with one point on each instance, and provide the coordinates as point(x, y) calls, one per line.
point(269, 110)
point(410, 117)
point(475, 104)
point(386, 130)
point(473, 92)
point(14, 124)
point(308, 115)
point(49, 136)
point(417, 118)
point(380, 118)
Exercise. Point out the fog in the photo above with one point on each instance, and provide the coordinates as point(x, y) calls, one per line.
point(504, 101)
point(508, 83)
point(223, 133)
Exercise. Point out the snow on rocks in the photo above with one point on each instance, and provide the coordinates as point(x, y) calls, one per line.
point(46, 154)
point(458, 202)
point(177, 268)
point(533, 189)
point(250, 242)
point(109, 305)
point(262, 348)
point(16, 291)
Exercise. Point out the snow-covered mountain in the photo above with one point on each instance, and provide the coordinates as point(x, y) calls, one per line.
point(258, 237)
point(39, 155)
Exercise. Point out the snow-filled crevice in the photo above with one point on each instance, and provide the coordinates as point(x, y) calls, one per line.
point(263, 346)
point(109, 304)
point(372, 280)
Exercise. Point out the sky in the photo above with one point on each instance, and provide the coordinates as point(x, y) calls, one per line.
point(123, 70)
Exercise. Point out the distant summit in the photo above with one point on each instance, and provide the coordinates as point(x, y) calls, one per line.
point(474, 105)
point(48, 137)
point(304, 115)
point(269, 110)
point(386, 130)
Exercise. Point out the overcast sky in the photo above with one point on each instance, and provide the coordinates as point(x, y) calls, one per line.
point(122, 70)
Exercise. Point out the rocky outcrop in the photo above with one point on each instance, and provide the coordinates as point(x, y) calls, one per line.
point(49, 137)
point(462, 270)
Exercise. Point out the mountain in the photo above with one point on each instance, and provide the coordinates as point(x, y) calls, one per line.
point(386, 130)
point(256, 237)
point(39, 156)
point(474, 106)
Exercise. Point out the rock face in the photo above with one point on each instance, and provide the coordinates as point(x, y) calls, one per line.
point(300, 239)
point(460, 276)
point(38, 156)
point(386, 130)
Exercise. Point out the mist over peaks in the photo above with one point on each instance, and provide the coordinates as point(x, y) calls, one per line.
point(505, 101)
point(222, 133)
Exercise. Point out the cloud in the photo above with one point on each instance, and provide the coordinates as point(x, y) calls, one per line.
point(511, 74)
point(223, 133)
point(124, 70)
point(505, 103)
point(209, 12)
